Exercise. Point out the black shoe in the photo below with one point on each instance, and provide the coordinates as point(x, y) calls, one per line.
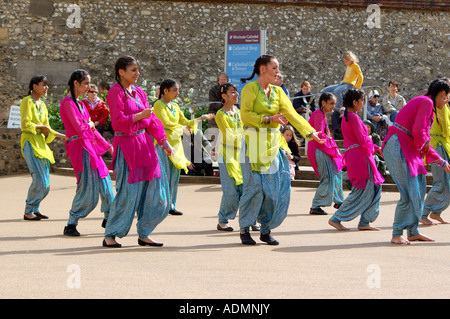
point(104, 223)
point(71, 230)
point(116, 245)
point(337, 205)
point(40, 215)
point(175, 212)
point(267, 238)
point(35, 217)
point(317, 211)
point(246, 239)
point(229, 228)
point(144, 243)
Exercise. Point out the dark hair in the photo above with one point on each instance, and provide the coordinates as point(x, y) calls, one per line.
point(79, 76)
point(435, 88)
point(122, 63)
point(262, 60)
point(324, 97)
point(36, 80)
point(350, 96)
point(394, 83)
point(166, 84)
point(225, 87)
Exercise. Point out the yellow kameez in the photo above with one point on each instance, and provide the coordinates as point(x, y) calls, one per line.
point(231, 130)
point(32, 115)
point(173, 120)
point(440, 131)
point(264, 139)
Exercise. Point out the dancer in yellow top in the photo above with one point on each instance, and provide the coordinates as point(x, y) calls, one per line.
point(36, 134)
point(173, 119)
point(229, 122)
point(438, 198)
point(265, 170)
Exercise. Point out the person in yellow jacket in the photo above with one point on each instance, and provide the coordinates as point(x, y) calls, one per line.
point(438, 198)
point(353, 78)
point(36, 134)
point(173, 120)
point(265, 169)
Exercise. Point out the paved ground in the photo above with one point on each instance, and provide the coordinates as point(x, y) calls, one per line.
point(198, 262)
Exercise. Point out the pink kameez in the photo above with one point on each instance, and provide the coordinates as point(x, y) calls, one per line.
point(359, 147)
point(319, 122)
point(412, 126)
point(136, 145)
point(81, 136)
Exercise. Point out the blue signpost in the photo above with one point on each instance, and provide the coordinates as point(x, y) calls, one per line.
point(242, 48)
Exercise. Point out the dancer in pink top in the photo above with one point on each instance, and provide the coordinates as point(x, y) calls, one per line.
point(406, 147)
point(141, 182)
point(84, 147)
point(325, 159)
point(364, 199)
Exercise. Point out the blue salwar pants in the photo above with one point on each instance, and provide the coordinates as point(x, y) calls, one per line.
point(40, 184)
point(90, 186)
point(173, 176)
point(438, 198)
point(229, 205)
point(330, 186)
point(266, 196)
point(149, 199)
point(412, 189)
point(360, 202)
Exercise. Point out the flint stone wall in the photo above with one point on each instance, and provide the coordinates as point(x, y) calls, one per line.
point(185, 41)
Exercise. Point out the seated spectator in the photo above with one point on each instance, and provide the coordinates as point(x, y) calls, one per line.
point(300, 104)
point(375, 114)
point(392, 102)
point(376, 139)
point(103, 88)
point(279, 82)
point(98, 111)
point(216, 97)
point(294, 157)
point(199, 151)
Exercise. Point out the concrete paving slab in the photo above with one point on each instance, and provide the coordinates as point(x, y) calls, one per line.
point(313, 260)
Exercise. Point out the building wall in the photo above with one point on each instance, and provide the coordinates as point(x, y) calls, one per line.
point(185, 40)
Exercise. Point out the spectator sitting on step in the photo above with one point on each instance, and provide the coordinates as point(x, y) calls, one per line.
point(392, 102)
point(98, 111)
point(300, 104)
point(374, 111)
point(294, 144)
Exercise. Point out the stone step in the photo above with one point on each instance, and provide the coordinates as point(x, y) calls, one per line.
point(306, 179)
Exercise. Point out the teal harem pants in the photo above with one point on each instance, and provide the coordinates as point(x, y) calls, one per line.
point(90, 186)
point(149, 199)
point(266, 196)
point(40, 174)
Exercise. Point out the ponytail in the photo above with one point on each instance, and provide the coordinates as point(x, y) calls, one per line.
point(166, 84)
point(435, 87)
point(349, 97)
point(79, 76)
point(262, 60)
point(36, 80)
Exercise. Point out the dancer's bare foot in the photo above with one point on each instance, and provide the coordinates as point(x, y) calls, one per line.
point(338, 226)
point(438, 218)
point(399, 240)
point(426, 221)
point(420, 237)
point(368, 228)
